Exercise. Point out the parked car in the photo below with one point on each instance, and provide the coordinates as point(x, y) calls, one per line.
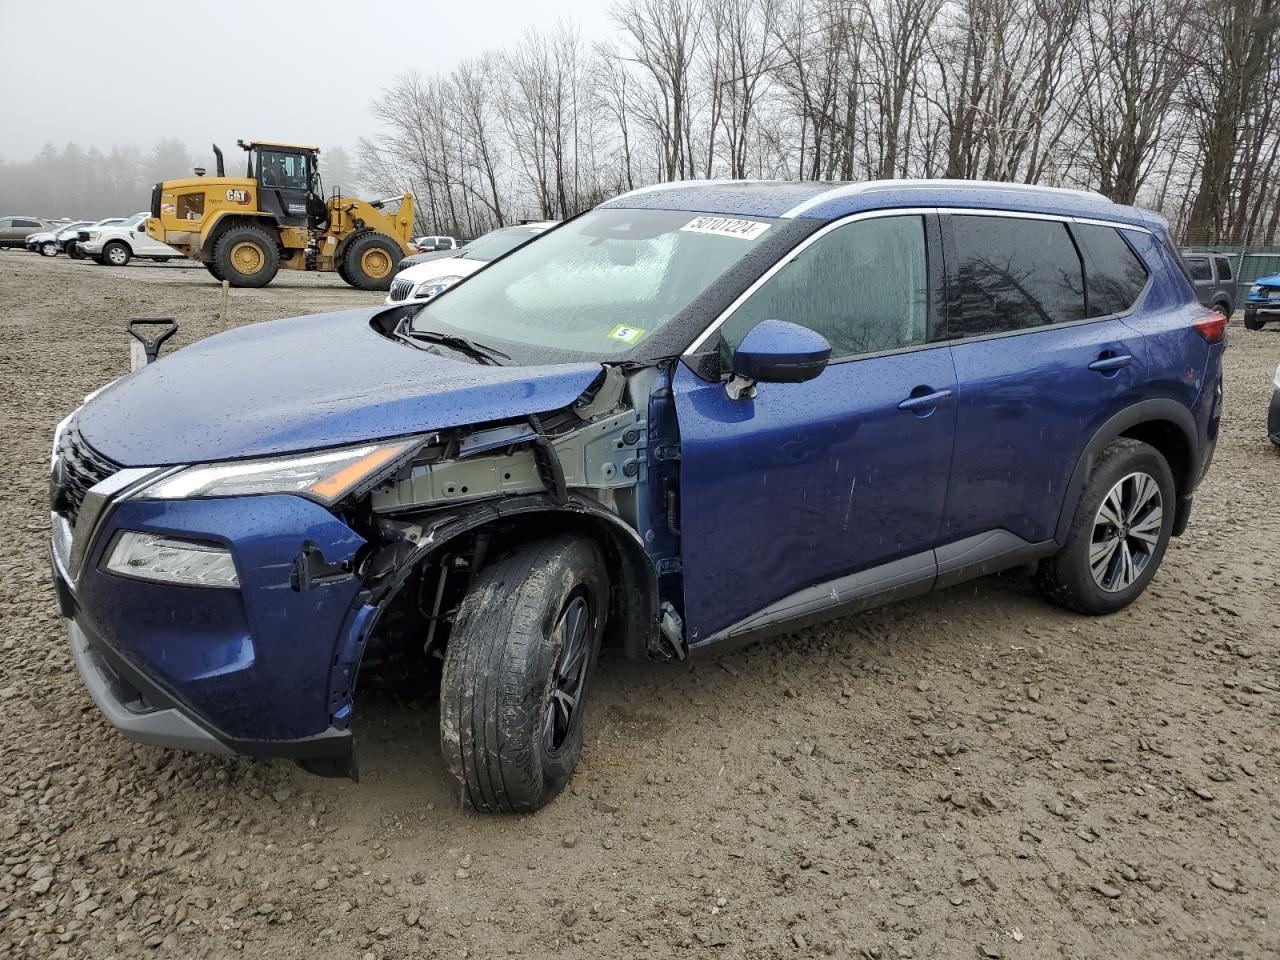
point(1262, 303)
point(695, 415)
point(49, 243)
point(1273, 415)
point(1213, 279)
point(116, 245)
point(423, 281)
point(15, 230)
point(431, 244)
point(71, 245)
point(29, 242)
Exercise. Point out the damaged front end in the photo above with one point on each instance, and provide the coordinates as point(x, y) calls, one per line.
point(607, 465)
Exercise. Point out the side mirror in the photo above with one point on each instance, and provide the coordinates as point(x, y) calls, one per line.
point(775, 351)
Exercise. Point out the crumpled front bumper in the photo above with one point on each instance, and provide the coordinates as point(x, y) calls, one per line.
point(265, 670)
point(130, 710)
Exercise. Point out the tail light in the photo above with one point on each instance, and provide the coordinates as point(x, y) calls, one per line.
point(1213, 327)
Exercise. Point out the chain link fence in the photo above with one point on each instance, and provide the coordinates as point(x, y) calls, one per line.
point(1248, 261)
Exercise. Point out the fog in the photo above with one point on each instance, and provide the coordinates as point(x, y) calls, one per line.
point(130, 75)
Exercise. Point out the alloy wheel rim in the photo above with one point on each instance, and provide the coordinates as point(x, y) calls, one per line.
point(116, 255)
point(247, 257)
point(1126, 531)
point(375, 263)
point(568, 676)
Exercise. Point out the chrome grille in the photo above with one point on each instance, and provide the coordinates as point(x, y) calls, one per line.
point(400, 289)
point(79, 468)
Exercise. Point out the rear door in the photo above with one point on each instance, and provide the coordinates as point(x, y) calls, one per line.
point(807, 482)
point(1226, 280)
point(1040, 365)
point(1201, 277)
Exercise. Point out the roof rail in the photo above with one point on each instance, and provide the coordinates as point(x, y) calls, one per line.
point(876, 186)
point(676, 184)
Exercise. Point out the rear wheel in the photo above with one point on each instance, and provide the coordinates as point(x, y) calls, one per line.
point(515, 679)
point(1119, 534)
point(116, 254)
point(74, 251)
point(246, 257)
point(370, 262)
point(1223, 308)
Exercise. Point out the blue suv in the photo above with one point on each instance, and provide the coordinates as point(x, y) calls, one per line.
point(699, 413)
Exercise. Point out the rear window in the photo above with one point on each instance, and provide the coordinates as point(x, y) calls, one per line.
point(1014, 274)
point(1115, 275)
point(1224, 268)
point(1199, 267)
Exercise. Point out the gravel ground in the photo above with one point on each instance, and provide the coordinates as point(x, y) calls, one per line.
point(974, 773)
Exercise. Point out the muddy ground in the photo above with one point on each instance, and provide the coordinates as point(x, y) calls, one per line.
point(974, 773)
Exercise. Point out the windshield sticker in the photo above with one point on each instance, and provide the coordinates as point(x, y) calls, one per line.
point(725, 227)
point(626, 334)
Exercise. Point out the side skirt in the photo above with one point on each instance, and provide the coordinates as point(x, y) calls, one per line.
point(945, 566)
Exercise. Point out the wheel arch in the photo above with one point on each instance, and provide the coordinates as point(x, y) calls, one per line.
point(227, 219)
point(633, 604)
point(1162, 423)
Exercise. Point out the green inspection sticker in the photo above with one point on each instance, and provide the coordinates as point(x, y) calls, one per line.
point(626, 334)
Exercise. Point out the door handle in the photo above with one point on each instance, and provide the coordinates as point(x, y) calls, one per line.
point(1106, 364)
point(925, 402)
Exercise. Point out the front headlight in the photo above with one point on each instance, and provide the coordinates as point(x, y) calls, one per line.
point(94, 235)
point(1256, 288)
point(327, 475)
point(148, 556)
point(430, 288)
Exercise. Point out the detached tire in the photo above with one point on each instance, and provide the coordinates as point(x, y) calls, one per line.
point(116, 254)
point(1119, 534)
point(370, 261)
point(246, 257)
point(516, 673)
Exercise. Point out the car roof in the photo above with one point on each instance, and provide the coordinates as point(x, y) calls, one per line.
point(828, 200)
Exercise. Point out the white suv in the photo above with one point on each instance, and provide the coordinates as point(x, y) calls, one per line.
point(117, 245)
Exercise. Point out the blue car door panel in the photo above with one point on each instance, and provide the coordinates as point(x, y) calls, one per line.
point(1036, 374)
point(806, 483)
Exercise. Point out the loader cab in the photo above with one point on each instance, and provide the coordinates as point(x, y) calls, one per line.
point(289, 188)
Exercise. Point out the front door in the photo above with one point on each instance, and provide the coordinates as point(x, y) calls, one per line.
point(284, 183)
point(809, 482)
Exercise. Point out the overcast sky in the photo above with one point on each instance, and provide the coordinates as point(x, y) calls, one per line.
point(132, 72)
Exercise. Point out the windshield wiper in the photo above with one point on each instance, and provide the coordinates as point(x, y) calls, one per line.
point(477, 351)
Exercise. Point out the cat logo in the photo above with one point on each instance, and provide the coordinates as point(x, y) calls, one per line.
point(237, 196)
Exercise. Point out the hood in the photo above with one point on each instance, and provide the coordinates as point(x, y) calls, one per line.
point(307, 382)
point(1270, 280)
point(446, 267)
point(414, 259)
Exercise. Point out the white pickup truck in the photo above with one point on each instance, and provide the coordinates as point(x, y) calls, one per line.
point(117, 245)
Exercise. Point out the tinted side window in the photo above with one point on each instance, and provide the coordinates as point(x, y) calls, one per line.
point(1224, 268)
point(863, 286)
point(1014, 274)
point(1199, 267)
point(1115, 275)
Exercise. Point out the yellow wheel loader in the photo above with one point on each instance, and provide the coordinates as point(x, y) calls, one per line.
point(245, 229)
